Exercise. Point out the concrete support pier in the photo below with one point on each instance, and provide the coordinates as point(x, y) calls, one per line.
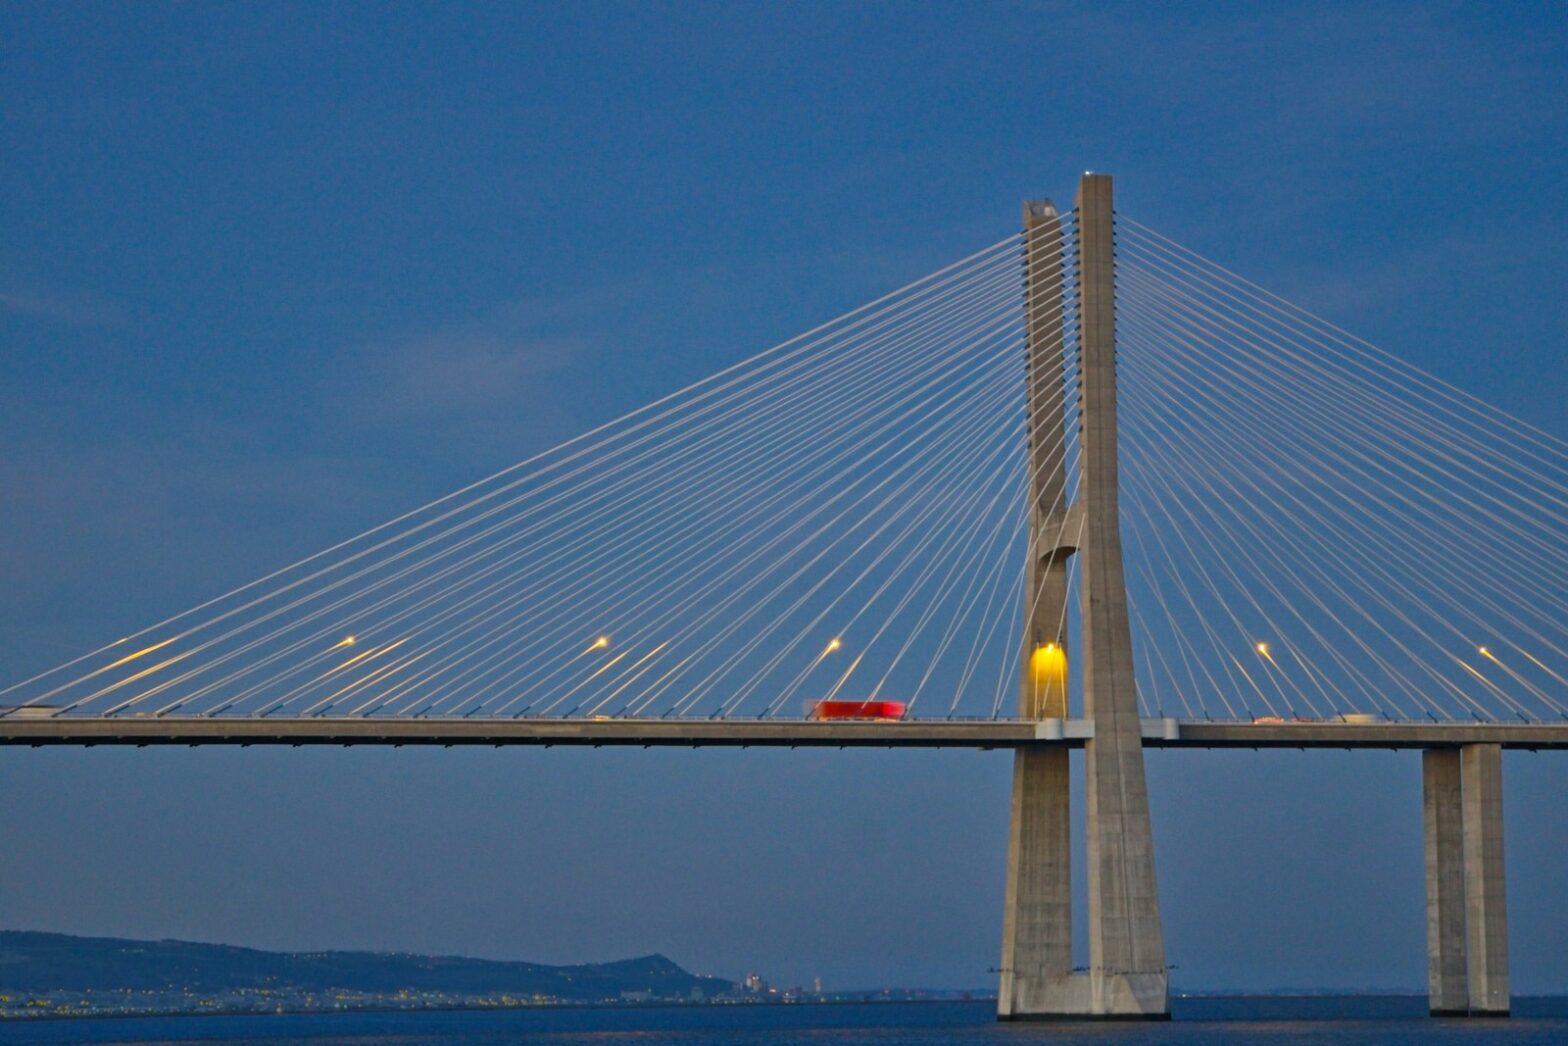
point(1467, 920)
point(1126, 978)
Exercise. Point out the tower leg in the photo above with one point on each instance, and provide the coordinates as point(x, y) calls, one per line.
point(1037, 979)
point(1126, 942)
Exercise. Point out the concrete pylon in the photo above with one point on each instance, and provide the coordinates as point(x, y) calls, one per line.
point(1127, 975)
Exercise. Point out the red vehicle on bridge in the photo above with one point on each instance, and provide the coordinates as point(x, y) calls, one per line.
point(855, 709)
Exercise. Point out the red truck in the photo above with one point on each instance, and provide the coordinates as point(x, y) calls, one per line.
point(855, 709)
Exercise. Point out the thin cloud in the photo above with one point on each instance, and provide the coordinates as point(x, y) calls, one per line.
point(499, 360)
point(457, 373)
point(73, 308)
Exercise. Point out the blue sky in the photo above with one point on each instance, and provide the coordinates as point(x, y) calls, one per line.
point(269, 275)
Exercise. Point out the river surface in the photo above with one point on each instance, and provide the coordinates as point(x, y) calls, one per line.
point(1320, 1020)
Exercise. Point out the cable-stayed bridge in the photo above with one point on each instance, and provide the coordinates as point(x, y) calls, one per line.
point(1082, 489)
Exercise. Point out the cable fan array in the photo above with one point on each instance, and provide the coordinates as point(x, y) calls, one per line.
point(1315, 528)
point(1312, 529)
point(841, 516)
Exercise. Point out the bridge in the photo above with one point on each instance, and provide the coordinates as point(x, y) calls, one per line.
point(1082, 491)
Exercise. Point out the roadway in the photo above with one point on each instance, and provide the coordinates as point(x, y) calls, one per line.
point(785, 733)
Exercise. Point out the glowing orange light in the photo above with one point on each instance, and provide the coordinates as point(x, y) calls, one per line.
point(1048, 665)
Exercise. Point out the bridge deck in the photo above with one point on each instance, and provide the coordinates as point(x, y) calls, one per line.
point(933, 733)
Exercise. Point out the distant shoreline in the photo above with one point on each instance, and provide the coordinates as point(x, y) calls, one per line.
point(666, 1004)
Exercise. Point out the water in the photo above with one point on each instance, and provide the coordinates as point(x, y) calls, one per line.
point(1326, 1020)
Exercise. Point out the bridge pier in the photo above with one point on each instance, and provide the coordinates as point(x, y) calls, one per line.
point(1467, 922)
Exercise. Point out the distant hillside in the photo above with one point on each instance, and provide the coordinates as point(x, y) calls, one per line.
point(42, 962)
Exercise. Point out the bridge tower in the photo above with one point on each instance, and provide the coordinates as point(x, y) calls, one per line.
point(1126, 977)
